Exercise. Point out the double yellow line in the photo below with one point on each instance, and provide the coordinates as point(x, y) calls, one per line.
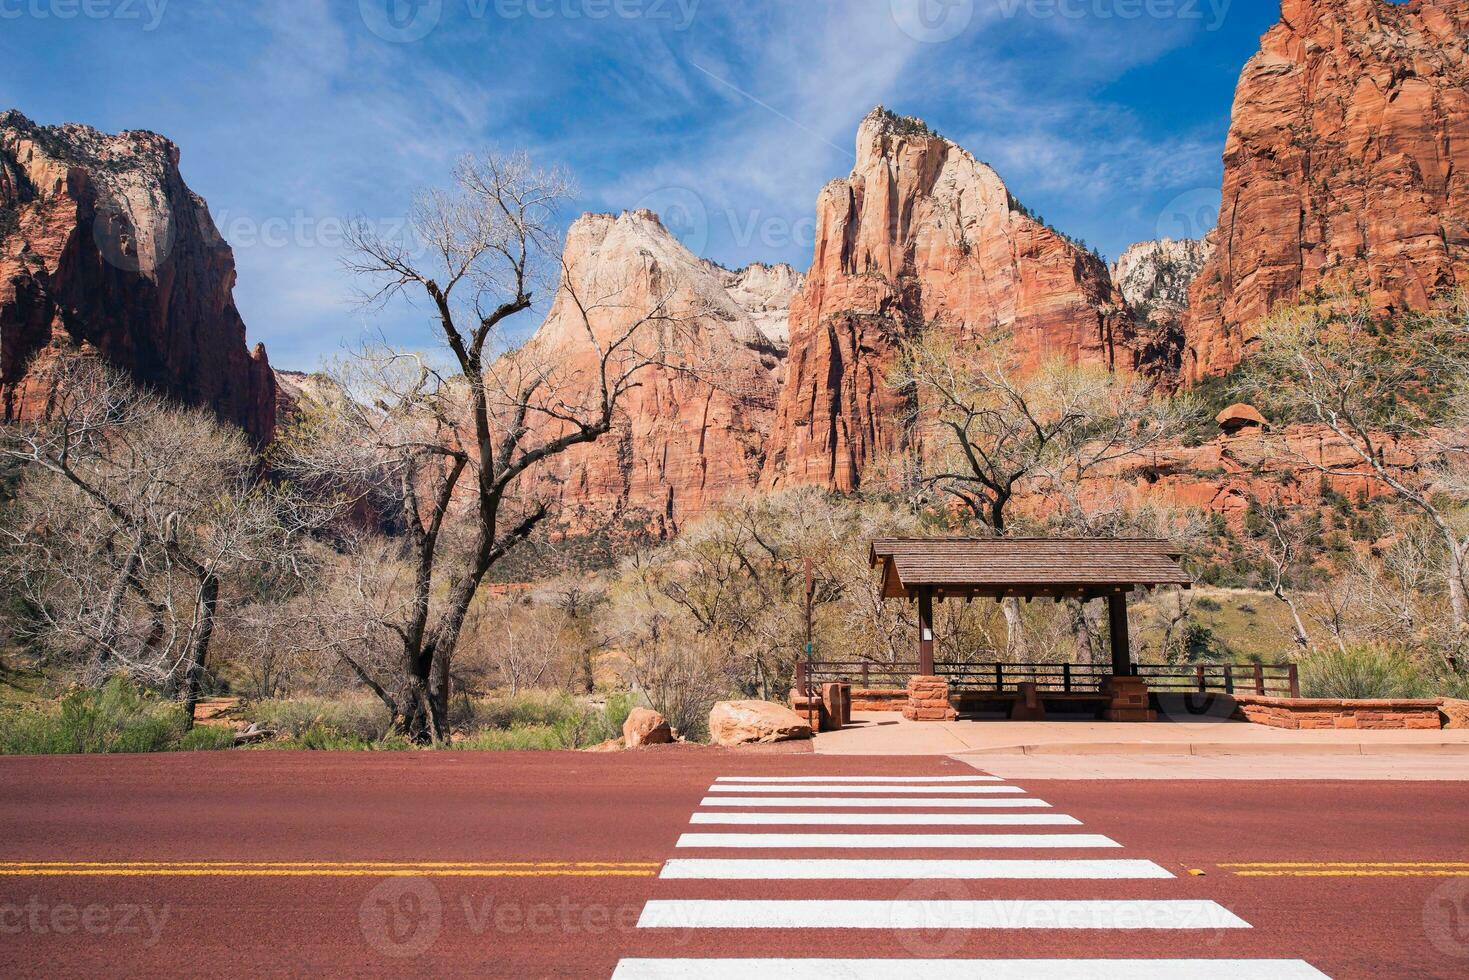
point(1351, 869)
point(333, 869)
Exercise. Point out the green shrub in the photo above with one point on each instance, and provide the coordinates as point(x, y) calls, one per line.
point(206, 738)
point(361, 719)
point(1366, 670)
point(117, 718)
point(1449, 685)
point(618, 707)
point(523, 737)
point(548, 719)
point(321, 737)
point(526, 708)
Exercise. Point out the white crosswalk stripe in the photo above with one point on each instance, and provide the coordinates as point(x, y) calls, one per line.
point(735, 869)
point(890, 819)
point(866, 801)
point(841, 913)
point(976, 809)
point(751, 839)
point(849, 788)
point(906, 780)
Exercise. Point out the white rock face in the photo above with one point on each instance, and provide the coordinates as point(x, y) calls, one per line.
point(1156, 275)
point(765, 293)
point(615, 255)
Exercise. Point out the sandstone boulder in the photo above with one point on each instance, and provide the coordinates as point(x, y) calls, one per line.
point(745, 722)
point(1240, 416)
point(644, 726)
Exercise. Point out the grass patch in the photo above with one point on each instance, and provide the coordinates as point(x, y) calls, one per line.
point(358, 719)
point(117, 718)
point(324, 738)
point(509, 739)
point(206, 738)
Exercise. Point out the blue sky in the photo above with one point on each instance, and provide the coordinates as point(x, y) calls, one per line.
point(294, 116)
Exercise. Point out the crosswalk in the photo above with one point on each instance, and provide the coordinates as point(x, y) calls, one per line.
point(862, 831)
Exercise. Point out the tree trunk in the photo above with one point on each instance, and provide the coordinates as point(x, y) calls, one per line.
point(199, 649)
point(1458, 603)
point(1015, 642)
point(1086, 652)
point(423, 712)
point(107, 635)
point(1299, 628)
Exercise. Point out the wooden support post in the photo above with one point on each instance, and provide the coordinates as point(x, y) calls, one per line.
point(1066, 677)
point(1294, 676)
point(1199, 677)
point(925, 633)
point(1260, 680)
point(1121, 651)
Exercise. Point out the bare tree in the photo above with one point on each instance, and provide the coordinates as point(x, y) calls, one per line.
point(1376, 384)
point(135, 512)
point(995, 431)
point(1280, 543)
point(450, 451)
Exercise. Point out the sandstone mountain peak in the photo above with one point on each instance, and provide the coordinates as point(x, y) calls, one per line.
point(922, 236)
point(1348, 153)
point(693, 431)
point(102, 243)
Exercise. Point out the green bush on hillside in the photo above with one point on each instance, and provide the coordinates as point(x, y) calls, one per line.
point(1366, 670)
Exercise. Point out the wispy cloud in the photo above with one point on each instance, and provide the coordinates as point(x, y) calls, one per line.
point(294, 115)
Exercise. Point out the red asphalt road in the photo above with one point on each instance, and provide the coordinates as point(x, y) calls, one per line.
point(632, 807)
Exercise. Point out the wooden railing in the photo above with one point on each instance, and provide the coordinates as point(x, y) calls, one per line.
point(1274, 680)
point(858, 673)
point(1266, 680)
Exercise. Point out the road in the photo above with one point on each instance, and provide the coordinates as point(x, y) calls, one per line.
point(551, 864)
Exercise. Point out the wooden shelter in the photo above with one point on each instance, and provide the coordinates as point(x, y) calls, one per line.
point(925, 569)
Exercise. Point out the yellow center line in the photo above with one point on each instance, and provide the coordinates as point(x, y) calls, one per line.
point(1349, 869)
point(1348, 864)
point(333, 869)
point(1358, 873)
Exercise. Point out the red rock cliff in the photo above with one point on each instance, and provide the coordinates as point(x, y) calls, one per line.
point(921, 236)
point(692, 432)
point(1348, 149)
point(102, 244)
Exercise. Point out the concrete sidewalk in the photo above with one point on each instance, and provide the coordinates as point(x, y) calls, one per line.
point(1207, 749)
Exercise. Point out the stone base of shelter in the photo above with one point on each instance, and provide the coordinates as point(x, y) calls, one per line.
point(928, 700)
point(1128, 699)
